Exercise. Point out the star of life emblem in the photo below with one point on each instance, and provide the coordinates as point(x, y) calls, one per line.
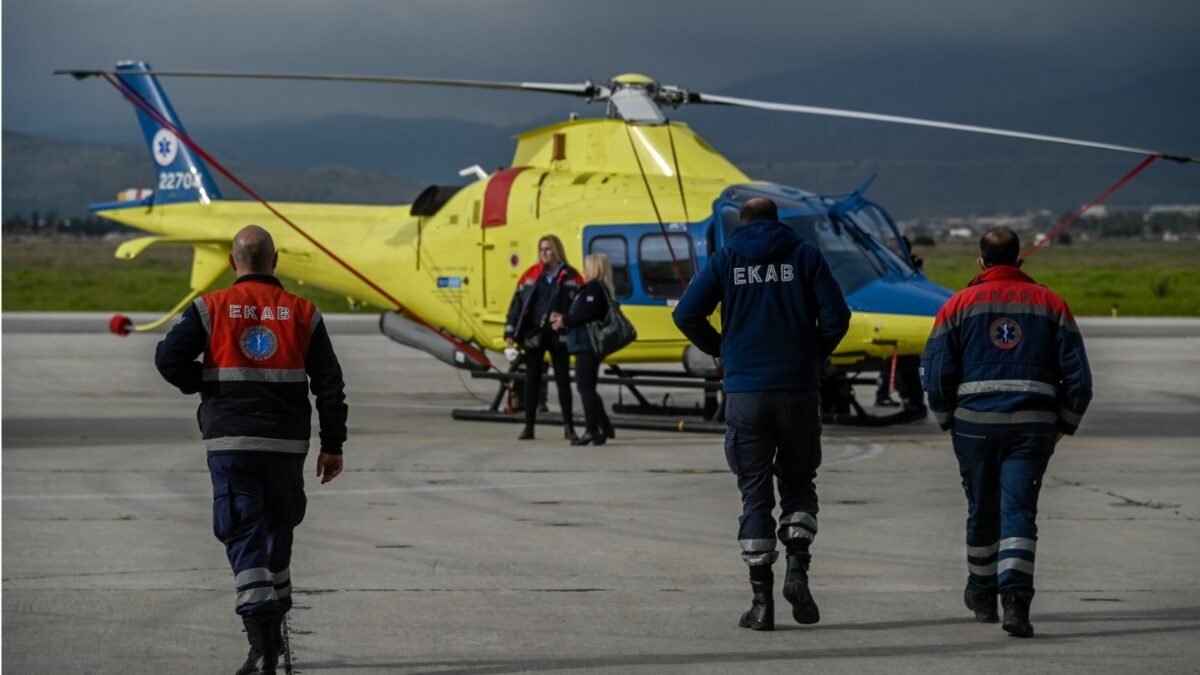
point(259, 343)
point(164, 147)
point(1005, 333)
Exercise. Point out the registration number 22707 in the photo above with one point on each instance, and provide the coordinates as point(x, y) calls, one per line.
point(178, 180)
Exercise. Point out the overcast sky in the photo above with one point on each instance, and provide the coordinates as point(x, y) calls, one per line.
point(701, 44)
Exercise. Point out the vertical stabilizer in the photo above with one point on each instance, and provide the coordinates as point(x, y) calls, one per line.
point(182, 176)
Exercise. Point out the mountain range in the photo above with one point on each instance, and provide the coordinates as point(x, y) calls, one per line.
point(921, 173)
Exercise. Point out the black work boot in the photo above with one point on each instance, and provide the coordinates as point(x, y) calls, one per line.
point(526, 433)
point(983, 603)
point(1016, 616)
point(263, 652)
point(569, 432)
point(761, 615)
point(795, 584)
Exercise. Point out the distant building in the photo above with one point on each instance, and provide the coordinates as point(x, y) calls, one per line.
point(1190, 210)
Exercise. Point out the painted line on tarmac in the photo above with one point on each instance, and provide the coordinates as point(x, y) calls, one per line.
point(856, 452)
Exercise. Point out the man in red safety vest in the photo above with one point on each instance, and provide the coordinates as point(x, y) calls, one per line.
point(263, 349)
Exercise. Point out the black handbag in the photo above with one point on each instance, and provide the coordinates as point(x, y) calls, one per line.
point(613, 332)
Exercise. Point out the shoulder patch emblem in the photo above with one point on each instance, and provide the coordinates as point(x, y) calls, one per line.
point(1005, 333)
point(259, 343)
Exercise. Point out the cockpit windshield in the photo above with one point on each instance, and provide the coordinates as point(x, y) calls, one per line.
point(850, 262)
point(853, 247)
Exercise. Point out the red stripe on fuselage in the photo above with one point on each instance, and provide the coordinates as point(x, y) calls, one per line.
point(495, 197)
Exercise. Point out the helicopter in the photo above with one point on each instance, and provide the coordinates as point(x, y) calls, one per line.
point(645, 190)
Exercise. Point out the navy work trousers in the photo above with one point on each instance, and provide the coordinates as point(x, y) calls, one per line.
point(774, 434)
point(1001, 468)
point(258, 498)
point(555, 343)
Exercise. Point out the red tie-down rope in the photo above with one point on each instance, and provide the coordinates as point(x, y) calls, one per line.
point(142, 104)
point(1107, 193)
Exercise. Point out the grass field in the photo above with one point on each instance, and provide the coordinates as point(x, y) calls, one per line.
point(1143, 278)
point(83, 275)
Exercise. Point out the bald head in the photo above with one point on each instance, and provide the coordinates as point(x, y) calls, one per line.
point(253, 251)
point(999, 246)
point(759, 208)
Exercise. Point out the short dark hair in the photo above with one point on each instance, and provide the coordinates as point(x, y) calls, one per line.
point(759, 208)
point(1000, 246)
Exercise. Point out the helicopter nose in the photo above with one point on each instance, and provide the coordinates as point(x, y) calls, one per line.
point(911, 296)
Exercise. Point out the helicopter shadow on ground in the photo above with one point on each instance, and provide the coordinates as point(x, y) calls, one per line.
point(1185, 618)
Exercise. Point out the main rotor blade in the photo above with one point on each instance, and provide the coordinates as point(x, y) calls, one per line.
point(696, 97)
point(585, 89)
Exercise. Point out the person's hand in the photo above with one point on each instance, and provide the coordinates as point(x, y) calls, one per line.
point(328, 466)
point(556, 321)
point(508, 342)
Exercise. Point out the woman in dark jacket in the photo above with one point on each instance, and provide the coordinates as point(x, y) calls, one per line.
point(590, 304)
point(544, 290)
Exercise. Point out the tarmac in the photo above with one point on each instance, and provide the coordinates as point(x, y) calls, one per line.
point(451, 547)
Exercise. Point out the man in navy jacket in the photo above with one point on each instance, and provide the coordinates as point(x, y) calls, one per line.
point(782, 315)
point(1005, 370)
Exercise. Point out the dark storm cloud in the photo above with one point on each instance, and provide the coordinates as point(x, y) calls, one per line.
point(702, 44)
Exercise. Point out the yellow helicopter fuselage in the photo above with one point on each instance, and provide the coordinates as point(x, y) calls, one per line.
point(456, 265)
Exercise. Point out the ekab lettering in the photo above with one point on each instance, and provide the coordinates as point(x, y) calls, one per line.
point(267, 313)
point(762, 274)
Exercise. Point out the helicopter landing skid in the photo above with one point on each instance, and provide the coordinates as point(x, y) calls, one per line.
point(839, 405)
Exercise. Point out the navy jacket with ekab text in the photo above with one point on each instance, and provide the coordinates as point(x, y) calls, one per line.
point(782, 312)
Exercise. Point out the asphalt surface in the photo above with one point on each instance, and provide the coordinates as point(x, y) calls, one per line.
point(450, 547)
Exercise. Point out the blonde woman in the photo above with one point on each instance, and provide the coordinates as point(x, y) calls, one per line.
point(545, 289)
point(590, 304)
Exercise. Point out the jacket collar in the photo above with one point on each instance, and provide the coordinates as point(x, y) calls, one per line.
point(261, 278)
point(1001, 273)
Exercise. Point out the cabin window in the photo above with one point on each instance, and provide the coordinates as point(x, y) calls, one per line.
point(617, 250)
point(660, 278)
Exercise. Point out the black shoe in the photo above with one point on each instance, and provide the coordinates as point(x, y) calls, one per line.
point(1016, 616)
point(983, 603)
point(761, 615)
point(526, 433)
point(609, 432)
point(264, 654)
point(886, 402)
point(795, 584)
point(589, 437)
point(569, 433)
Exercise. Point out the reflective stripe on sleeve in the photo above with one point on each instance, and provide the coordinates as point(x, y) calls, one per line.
point(1070, 417)
point(316, 320)
point(205, 320)
point(255, 443)
point(1016, 564)
point(988, 386)
point(1021, 417)
point(1007, 308)
point(254, 375)
point(281, 577)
